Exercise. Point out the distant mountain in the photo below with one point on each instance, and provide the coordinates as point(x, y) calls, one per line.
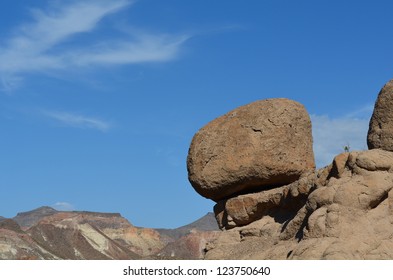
point(10, 224)
point(188, 247)
point(76, 235)
point(2, 218)
point(15, 244)
point(189, 241)
point(30, 218)
point(45, 233)
point(206, 223)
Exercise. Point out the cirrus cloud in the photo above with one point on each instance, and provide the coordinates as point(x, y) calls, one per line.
point(79, 121)
point(41, 44)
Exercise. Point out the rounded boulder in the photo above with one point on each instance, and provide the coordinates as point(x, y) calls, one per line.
point(258, 146)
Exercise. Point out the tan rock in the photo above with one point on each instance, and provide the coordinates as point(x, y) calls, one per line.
point(348, 215)
point(339, 164)
point(380, 134)
point(286, 201)
point(261, 145)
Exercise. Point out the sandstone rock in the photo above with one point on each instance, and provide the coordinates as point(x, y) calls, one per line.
point(284, 201)
point(380, 134)
point(245, 209)
point(347, 215)
point(261, 145)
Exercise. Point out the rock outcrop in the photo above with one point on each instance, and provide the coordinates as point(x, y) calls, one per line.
point(342, 211)
point(286, 200)
point(348, 214)
point(261, 145)
point(380, 134)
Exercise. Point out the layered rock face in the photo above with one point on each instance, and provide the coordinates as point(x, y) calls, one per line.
point(342, 211)
point(261, 145)
point(380, 134)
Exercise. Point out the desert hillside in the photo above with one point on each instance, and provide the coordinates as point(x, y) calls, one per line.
point(45, 233)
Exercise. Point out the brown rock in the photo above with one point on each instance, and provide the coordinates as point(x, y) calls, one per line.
point(348, 215)
point(380, 133)
point(261, 145)
point(245, 209)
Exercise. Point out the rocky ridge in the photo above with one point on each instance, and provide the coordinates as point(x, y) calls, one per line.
point(342, 211)
point(45, 233)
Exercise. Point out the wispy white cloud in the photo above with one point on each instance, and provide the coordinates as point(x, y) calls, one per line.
point(63, 206)
point(332, 134)
point(38, 46)
point(145, 49)
point(363, 112)
point(79, 121)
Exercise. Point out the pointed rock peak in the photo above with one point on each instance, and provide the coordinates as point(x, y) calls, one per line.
point(29, 218)
point(380, 131)
point(39, 210)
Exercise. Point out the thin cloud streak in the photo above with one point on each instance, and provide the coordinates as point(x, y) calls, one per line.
point(79, 121)
point(38, 46)
point(146, 49)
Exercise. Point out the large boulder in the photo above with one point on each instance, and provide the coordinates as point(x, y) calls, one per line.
point(380, 133)
point(261, 145)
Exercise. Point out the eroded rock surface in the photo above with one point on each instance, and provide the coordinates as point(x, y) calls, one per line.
point(286, 200)
point(380, 134)
point(261, 145)
point(347, 215)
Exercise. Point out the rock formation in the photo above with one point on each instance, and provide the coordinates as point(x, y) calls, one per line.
point(380, 134)
point(347, 215)
point(342, 211)
point(261, 145)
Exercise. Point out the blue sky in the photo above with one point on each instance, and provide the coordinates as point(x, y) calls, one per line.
point(99, 100)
